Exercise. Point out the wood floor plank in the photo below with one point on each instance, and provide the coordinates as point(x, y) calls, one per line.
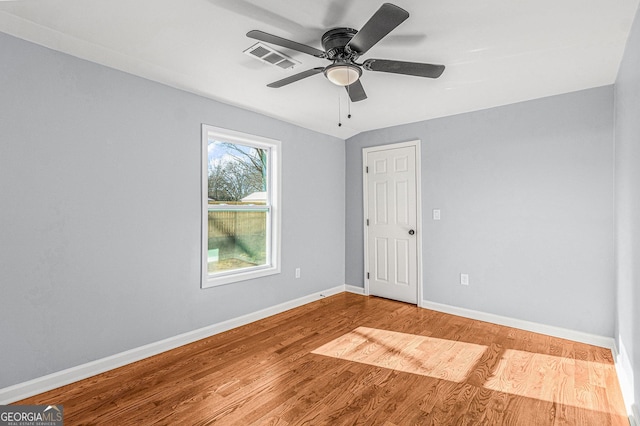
point(351, 359)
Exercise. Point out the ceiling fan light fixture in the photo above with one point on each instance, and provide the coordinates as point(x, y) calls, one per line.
point(342, 74)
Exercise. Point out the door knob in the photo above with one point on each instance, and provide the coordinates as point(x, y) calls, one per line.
point(411, 232)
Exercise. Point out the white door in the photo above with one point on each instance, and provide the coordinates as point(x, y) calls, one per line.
point(391, 218)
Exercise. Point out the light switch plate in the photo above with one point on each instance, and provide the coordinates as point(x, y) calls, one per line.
point(436, 214)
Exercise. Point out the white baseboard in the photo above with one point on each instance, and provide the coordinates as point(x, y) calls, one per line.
point(564, 333)
point(626, 380)
point(354, 289)
point(312, 298)
point(51, 381)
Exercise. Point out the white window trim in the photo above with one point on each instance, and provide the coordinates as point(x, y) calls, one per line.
point(274, 191)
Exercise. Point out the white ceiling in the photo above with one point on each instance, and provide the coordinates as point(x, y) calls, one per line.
point(496, 52)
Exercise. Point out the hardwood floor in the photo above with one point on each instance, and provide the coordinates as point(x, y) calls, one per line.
point(350, 359)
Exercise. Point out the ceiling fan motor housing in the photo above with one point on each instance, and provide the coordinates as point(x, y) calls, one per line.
point(334, 43)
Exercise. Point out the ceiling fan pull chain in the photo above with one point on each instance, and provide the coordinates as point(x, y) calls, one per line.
point(339, 122)
point(349, 101)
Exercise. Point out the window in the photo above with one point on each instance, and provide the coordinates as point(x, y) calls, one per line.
point(240, 199)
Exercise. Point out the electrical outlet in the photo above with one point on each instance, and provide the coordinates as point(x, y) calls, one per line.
point(464, 279)
point(297, 272)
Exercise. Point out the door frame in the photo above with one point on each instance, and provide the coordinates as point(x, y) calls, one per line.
point(365, 151)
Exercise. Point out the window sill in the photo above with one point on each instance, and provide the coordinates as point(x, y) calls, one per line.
point(235, 276)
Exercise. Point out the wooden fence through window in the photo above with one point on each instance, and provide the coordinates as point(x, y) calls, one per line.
point(237, 223)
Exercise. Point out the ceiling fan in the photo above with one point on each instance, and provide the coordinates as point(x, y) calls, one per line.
point(343, 46)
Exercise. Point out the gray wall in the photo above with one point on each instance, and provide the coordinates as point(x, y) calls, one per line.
point(627, 176)
point(100, 212)
point(526, 193)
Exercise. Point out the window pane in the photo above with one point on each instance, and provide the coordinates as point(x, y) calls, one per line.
point(236, 240)
point(236, 173)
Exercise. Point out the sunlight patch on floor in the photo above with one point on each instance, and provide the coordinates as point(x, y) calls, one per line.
point(410, 353)
point(557, 379)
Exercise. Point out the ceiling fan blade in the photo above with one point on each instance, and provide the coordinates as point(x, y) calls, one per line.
point(270, 38)
point(356, 91)
point(408, 68)
point(379, 25)
point(295, 77)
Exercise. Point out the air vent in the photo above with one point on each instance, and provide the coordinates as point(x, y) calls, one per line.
point(270, 56)
point(286, 64)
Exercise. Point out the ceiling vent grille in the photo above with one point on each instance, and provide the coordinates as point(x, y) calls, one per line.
point(265, 54)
